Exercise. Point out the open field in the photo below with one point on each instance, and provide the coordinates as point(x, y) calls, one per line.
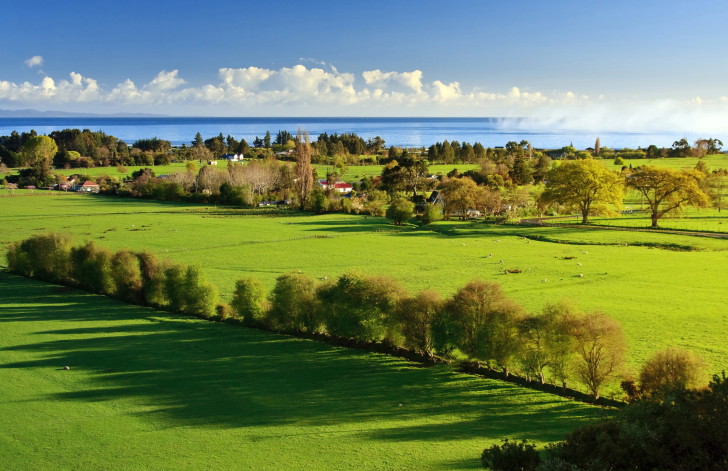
point(665, 289)
point(714, 162)
point(146, 390)
point(696, 220)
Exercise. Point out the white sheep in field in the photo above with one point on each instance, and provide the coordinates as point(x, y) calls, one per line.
point(544, 280)
point(579, 264)
point(501, 261)
point(581, 275)
point(497, 240)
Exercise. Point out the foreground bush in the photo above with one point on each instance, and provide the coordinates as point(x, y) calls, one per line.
point(511, 456)
point(686, 430)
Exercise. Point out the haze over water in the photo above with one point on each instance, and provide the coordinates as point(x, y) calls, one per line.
point(411, 132)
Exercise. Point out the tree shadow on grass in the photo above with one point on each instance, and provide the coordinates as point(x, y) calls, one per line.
point(188, 372)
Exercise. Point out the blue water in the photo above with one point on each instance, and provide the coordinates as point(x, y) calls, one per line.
point(414, 132)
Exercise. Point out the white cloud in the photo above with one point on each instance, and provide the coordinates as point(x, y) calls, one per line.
point(324, 91)
point(165, 81)
point(411, 80)
point(33, 61)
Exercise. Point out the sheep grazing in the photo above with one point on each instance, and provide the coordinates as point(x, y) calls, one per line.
point(505, 272)
point(497, 240)
point(581, 275)
point(66, 368)
point(299, 272)
point(544, 280)
point(579, 264)
point(501, 261)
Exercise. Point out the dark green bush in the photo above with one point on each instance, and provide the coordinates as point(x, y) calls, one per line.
point(511, 456)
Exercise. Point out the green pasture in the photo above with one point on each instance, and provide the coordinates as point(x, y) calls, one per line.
point(665, 289)
point(714, 162)
point(147, 390)
point(695, 220)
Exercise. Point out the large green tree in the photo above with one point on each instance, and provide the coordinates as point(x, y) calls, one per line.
point(586, 185)
point(667, 190)
point(39, 152)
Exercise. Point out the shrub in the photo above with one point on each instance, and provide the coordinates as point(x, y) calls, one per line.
point(46, 257)
point(670, 369)
point(401, 210)
point(619, 161)
point(511, 456)
point(249, 300)
point(152, 278)
point(200, 296)
point(223, 311)
point(294, 304)
point(127, 277)
point(361, 306)
point(91, 268)
point(431, 214)
point(416, 316)
point(173, 286)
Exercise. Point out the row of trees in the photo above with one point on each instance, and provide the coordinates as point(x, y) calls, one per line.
point(479, 320)
point(133, 277)
point(589, 187)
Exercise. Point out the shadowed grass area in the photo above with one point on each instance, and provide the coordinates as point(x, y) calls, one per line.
point(146, 390)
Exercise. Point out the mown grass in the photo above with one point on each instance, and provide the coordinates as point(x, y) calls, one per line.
point(665, 289)
point(147, 390)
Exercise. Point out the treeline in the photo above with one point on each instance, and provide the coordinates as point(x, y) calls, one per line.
point(133, 277)
point(478, 322)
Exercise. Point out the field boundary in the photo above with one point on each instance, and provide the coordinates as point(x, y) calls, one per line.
point(386, 348)
point(539, 223)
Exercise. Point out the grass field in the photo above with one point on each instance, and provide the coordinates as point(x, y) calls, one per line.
point(670, 295)
point(714, 162)
point(146, 390)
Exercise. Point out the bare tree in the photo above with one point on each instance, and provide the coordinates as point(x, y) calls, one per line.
point(201, 153)
point(304, 176)
point(259, 176)
point(601, 347)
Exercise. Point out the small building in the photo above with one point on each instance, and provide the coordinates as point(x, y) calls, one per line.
point(436, 198)
point(339, 186)
point(87, 187)
point(232, 157)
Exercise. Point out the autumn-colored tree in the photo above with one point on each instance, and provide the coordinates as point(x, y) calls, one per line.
point(586, 185)
point(304, 176)
point(667, 190)
point(669, 369)
point(461, 195)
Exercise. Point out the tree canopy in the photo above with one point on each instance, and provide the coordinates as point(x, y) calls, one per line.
point(586, 185)
point(667, 190)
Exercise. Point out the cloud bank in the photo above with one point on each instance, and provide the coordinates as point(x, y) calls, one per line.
point(303, 91)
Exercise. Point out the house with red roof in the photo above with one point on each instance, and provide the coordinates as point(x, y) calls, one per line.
point(339, 186)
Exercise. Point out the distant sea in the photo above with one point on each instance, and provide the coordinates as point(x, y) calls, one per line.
point(411, 132)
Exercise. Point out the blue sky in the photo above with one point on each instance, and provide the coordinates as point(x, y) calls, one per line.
point(430, 58)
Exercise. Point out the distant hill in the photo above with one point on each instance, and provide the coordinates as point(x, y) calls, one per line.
point(68, 114)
